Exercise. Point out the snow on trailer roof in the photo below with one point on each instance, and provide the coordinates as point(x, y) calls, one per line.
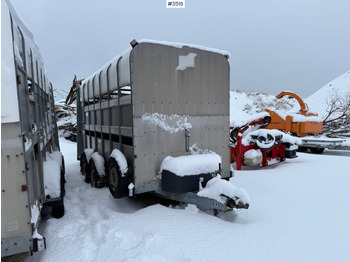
point(181, 45)
point(121, 61)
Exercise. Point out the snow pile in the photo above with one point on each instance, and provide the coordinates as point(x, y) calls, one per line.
point(320, 100)
point(99, 163)
point(170, 123)
point(191, 165)
point(244, 106)
point(218, 188)
point(120, 158)
point(52, 174)
point(66, 120)
point(332, 103)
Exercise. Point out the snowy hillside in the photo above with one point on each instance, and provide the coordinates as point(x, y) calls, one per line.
point(319, 101)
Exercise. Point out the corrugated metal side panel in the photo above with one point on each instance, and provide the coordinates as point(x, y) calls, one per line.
point(163, 83)
point(15, 207)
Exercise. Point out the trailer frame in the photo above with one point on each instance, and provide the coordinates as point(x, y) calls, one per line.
point(185, 86)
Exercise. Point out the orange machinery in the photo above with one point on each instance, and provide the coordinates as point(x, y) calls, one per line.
point(301, 124)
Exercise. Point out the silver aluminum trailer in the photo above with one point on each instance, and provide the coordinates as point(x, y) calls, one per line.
point(318, 144)
point(155, 100)
point(28, 138)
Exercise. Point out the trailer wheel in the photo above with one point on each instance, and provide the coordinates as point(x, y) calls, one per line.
point(317, 150)
point(57, 207)
point(95, 179)
point(57, 210)
point(63, 179)
point(116, 182)
point(85, 167)
point(302, 149)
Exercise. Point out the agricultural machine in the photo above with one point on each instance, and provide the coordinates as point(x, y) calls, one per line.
point(301, 124)
point(306, 125)
point(252, 145)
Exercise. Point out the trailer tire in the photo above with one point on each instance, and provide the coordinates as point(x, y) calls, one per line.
point(303, 149)
point(57, 209)
point(317, 150)
point(63, 179)
point(95, 179)
point(116, 182)
point(85, 167)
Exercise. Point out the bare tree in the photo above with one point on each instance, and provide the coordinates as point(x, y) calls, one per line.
point(59, 93)
point(337, 121)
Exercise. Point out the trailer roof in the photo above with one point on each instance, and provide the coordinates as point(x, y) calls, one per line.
point(124, 57)
point(180, 45)
point(174, 44)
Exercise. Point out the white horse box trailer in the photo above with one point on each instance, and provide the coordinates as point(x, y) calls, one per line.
point(156, 119)
point(32, 167)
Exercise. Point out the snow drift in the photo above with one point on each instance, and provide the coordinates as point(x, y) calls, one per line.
point(339, 87)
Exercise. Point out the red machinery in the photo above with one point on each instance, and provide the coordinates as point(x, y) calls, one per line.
point(251, 145)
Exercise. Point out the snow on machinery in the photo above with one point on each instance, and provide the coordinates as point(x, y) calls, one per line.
point(148, 118)
point(306, 125)
point(252, 145)
point(32, 167)
point(301, 124)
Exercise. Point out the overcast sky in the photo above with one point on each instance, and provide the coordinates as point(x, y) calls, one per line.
point(295, 45)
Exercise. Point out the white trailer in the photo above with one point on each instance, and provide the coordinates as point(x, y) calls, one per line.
point(151, 109)
point(318, 144)
point(32, 167)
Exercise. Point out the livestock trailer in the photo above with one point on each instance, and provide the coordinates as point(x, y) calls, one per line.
point(32, 168)
point(157, 103)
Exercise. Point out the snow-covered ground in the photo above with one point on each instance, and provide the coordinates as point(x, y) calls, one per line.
point(299, 211)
